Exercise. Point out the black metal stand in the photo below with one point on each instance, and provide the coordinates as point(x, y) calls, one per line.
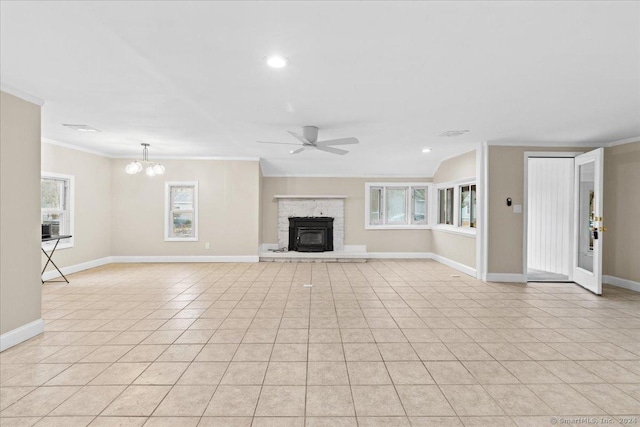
point(50, 255)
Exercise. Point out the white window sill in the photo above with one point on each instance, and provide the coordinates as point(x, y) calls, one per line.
point(463, 231)
point(398, 227)
point(180, 239)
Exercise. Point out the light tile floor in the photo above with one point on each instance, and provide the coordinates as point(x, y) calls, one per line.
point(382, 343)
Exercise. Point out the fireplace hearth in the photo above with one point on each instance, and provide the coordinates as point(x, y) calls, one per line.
point(310, 234)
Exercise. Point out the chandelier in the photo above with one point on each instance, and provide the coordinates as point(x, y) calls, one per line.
point(150, 168)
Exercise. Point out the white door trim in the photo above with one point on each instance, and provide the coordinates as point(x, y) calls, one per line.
point(591, 281)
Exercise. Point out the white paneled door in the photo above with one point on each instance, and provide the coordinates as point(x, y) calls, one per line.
point(588, 221)
point(550, 213)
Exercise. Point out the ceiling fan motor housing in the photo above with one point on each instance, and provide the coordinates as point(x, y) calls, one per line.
point(310, 133)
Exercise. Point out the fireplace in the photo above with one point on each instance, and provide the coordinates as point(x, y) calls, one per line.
point(310, 234)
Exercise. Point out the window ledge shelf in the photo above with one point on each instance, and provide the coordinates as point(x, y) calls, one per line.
point(469, 232)
point(294, 196)
point(398, 227)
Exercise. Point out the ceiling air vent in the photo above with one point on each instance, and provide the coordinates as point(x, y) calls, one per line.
point(451, 133)
point(81, 128)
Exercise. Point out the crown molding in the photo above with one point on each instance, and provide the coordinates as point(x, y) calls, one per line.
point(623, 141)
point(74, 147)
point(21, 94)
point(366, 176)
point(559, 144)
point(129, 156)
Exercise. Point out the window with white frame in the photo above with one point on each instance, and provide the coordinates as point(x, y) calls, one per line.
point(467, 206)
point(456, 206)
point(445, 205)
point(396, 205)
point(181, 216)
point(57, 205)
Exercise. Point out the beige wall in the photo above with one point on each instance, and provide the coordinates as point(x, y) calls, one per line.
point(20, 287)
point(355, 233)
point(229, 198)
point(506, 179)
point(456, 247)
point(621, 244)
point(456, 168)
point(92, 210)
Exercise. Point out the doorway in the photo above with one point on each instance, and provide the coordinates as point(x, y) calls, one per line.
point(563, 220)
point(549, 225)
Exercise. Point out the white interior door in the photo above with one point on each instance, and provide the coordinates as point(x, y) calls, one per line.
point(587, 259)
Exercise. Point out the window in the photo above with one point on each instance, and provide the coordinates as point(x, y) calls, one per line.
point(445, 203)
point(56, 206)
point(468, 206)
point(419, 205)
point(181, 219)
point(396, 205)
point(375, 206)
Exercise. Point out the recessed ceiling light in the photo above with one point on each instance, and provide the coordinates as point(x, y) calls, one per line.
point(454, 133)
point(277, 61)
point(426, 150)
point(81, 128)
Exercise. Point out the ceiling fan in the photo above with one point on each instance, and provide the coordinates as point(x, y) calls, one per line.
point(309, 139)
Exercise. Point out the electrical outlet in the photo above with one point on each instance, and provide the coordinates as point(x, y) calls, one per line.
point(207, 246)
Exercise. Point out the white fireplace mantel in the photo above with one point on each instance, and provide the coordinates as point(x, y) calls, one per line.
point(311, 205)
point(295, 196)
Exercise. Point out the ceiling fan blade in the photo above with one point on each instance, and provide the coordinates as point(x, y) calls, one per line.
point(281, 143)
point(300, 138)
point(331, 150)
point(299, 150)
point(339, 141)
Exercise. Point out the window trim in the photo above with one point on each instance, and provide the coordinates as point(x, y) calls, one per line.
point(167, 210)
point(473, 213)
point(454, 228)
point(408, 186)
point(66, 243)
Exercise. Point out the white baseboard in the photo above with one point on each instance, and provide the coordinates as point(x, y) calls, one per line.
point(454, 264)
point(400, 255)
point(52, 274)
point(506, 277)
point(23, 333)
point(621, 283)
point(195, 258)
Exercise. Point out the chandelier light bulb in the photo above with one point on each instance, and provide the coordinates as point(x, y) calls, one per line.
point(150, 168)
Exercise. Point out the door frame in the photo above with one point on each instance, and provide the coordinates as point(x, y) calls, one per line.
point(525, 202)
point(597, 157)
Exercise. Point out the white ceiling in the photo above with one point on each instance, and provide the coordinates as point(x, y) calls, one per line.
point(189, 77)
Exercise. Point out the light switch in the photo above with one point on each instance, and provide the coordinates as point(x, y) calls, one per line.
point(517, 208)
